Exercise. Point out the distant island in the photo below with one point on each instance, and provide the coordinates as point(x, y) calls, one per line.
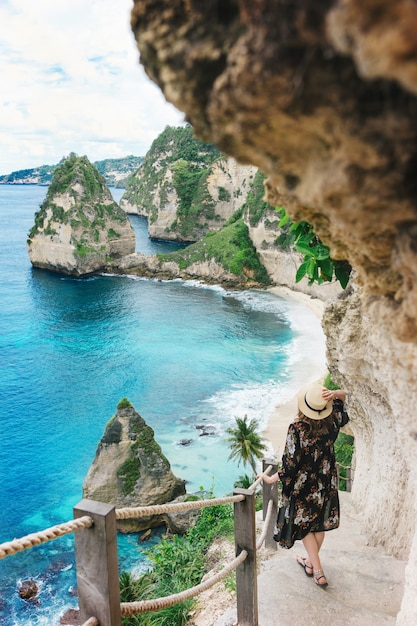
point(116, 172)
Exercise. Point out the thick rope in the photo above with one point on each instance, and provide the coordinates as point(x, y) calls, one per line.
point(145, 511)
point(92, 621)
point(132, 608)
point(34, 539)
point(266, 524)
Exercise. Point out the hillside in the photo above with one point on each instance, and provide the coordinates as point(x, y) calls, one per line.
point(186, 187)
point(115, 171)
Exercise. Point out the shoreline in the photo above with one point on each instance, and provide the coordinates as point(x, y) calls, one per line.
point(278, 422)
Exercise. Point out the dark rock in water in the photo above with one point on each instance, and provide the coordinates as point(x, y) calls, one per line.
point(70, 618)
point(208, 431)
point(28, 589)
point(146, 535)
point(59, 566)
point(185, 442)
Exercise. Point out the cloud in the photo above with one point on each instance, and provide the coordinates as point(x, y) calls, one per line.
point(71, 82)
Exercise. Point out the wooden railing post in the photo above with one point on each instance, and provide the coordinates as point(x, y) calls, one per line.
point(246, 575)
point(97, 567)
point(348, 479)
point(270, 492)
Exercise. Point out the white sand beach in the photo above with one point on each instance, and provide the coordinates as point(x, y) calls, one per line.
point(284, 414)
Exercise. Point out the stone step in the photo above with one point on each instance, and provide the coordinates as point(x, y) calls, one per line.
point(365, 585)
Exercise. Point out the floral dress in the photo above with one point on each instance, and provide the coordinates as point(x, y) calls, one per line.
point(309, 499)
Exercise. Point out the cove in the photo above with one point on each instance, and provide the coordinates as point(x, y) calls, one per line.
point(185, 355)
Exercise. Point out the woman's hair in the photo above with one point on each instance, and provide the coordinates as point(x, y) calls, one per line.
point(317, 427)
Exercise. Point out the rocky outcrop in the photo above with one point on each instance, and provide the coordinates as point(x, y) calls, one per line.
point(321, 97)
point(79, 228)
point(28, 589)
point(186, 188)
point(227, 257)
point(208, 271)
point(130, 470)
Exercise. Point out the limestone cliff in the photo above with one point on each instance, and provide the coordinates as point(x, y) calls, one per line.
point(186, 188)
point(321, 97)
point(79, 227)
point(130, 469)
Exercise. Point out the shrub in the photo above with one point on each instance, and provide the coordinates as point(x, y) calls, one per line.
point(178, 563)
point(124, 404)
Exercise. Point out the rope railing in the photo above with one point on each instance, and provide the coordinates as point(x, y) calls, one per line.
point(266, 524)
point(92, 513)
point(132, 608)
point(146, 511)
point(49, 534)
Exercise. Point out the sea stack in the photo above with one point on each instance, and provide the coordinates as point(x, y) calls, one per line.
point(79, 228)
point(130, 470)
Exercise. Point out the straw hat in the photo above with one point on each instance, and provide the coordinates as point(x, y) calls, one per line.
point(311, 403)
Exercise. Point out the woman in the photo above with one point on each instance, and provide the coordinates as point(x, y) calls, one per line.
point(309, 503)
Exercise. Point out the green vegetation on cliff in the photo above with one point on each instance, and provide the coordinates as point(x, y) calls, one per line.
point(144, 443)
point(231, 247)
point(255, 204)
point(77, 170)
point(178, 564)
point(177, 164)
point(91, 204)
point(317, 264)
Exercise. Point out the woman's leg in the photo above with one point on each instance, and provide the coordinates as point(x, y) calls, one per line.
point(312, 543)
point(319, 538)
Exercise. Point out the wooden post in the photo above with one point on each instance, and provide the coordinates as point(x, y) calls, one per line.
point(246, 575)
point(348, 479)
point(97, 567)
point(270, 492)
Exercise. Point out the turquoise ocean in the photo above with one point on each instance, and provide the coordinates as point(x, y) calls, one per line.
point(186, 356)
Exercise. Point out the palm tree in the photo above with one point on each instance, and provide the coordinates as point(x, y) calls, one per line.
point(246, 444)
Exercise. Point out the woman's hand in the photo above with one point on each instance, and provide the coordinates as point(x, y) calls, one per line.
point(268, 479)
point(333, 394)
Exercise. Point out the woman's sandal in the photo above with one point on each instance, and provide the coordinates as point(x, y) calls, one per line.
point(318, 575)
point(303, 562)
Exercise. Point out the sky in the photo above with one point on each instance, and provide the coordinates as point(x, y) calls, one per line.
point(71, 81)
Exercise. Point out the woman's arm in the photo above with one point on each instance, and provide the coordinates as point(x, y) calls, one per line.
point(268, 479)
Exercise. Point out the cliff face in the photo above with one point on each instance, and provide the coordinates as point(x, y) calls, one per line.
point(79, 227)
point(321, 97)
point(282, 265)
point(130, 469)
point(185, 187)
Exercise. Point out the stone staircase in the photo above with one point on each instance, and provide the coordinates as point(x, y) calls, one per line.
point(365, 585)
